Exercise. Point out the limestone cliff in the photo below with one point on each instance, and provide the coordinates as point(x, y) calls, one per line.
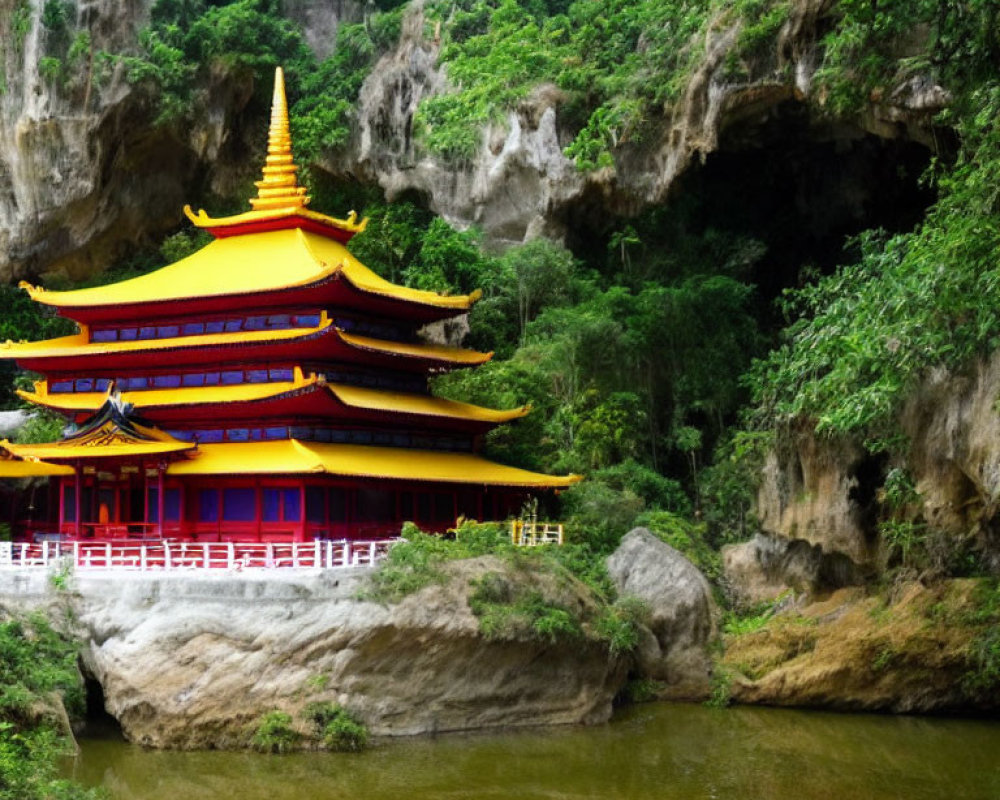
point(85, 174)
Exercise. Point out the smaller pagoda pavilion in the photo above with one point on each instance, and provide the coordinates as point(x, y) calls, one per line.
point(269, 387)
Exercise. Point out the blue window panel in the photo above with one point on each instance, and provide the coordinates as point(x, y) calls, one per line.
point(256, 376)
point(231, 377)
point(281, 375)
point(135, 383)
point(61, 386)
point(107, 335)
point(382, 438)
point(85, 384)
point(172, 505)
point(167, 381)
point(293, 504)
point(69, 503)
point(152, 505)
point(307, 320)
point(300, 432)
point(256, 434)
point(193, 379)
point(233, 325)
point(208, 505)
point(167, 331)
point(147, 333)
point(276, 433)
point(238, 434)
point(361, 437)
point(255, 323)
point(102, 384)
point(323, 435)
point(208, 437)
point(194, 328)
point(338, 436)
point(279, 321)
point(239, 505)
point(270, 505)
point(400, 440)
point(211, 378)
point(127, 334)
point(216, 326)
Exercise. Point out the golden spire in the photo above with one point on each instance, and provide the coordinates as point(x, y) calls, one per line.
point(278, 188)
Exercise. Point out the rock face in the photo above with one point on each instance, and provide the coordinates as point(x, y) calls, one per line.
point(85, 175)
point(674, 649)
point(192, 660)
point(826, 494)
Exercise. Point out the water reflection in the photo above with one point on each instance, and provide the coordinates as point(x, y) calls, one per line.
point(656, 751)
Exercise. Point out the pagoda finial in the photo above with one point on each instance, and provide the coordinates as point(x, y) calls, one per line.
point(278, 188)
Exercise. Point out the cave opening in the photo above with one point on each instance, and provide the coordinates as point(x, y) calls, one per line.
point(97, 722)
point(799, 187)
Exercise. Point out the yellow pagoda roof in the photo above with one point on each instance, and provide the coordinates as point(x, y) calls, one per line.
point(13, 468)
point(291, 456)
point(352, 396)
point(427, 405)
point(108, 441)
point(78, 344)
point(245, 265)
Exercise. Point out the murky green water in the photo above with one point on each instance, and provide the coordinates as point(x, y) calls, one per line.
point(653, 751)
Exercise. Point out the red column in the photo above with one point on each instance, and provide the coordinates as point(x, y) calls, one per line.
point(160, 499)
point(77, 472)
point(62, 504)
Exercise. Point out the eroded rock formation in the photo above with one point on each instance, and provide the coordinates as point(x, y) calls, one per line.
point(194, 660)
point(673, 649)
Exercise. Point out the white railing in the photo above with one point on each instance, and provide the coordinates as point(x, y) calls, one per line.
point(171, 555)
point(530, 533)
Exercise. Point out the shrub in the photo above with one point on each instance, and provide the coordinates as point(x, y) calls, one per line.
point(341, 731)
point(275, 734)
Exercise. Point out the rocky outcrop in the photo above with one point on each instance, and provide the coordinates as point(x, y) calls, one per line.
point(194, 660)
point(855, 652)
point(768, 566)
point(520, 185)
point(674, 645)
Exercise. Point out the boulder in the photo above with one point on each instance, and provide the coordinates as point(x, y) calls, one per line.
point(195, 659)
point(674, 646)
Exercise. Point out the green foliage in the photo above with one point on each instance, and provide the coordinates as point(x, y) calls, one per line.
point(619, 624)
point(275, 734)
point(721, 694)
point(42, 426)
point(689, 538)
point(340, 730)
point(509, 609)
point(182, 244)
point(37, 668)
point(416, 562)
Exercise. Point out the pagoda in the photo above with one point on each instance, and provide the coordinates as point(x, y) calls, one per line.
point(268, 387)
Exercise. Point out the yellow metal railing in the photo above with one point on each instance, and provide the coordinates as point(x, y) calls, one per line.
point(529, 533)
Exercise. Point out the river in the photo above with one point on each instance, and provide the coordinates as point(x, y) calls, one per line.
point(652, 751)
